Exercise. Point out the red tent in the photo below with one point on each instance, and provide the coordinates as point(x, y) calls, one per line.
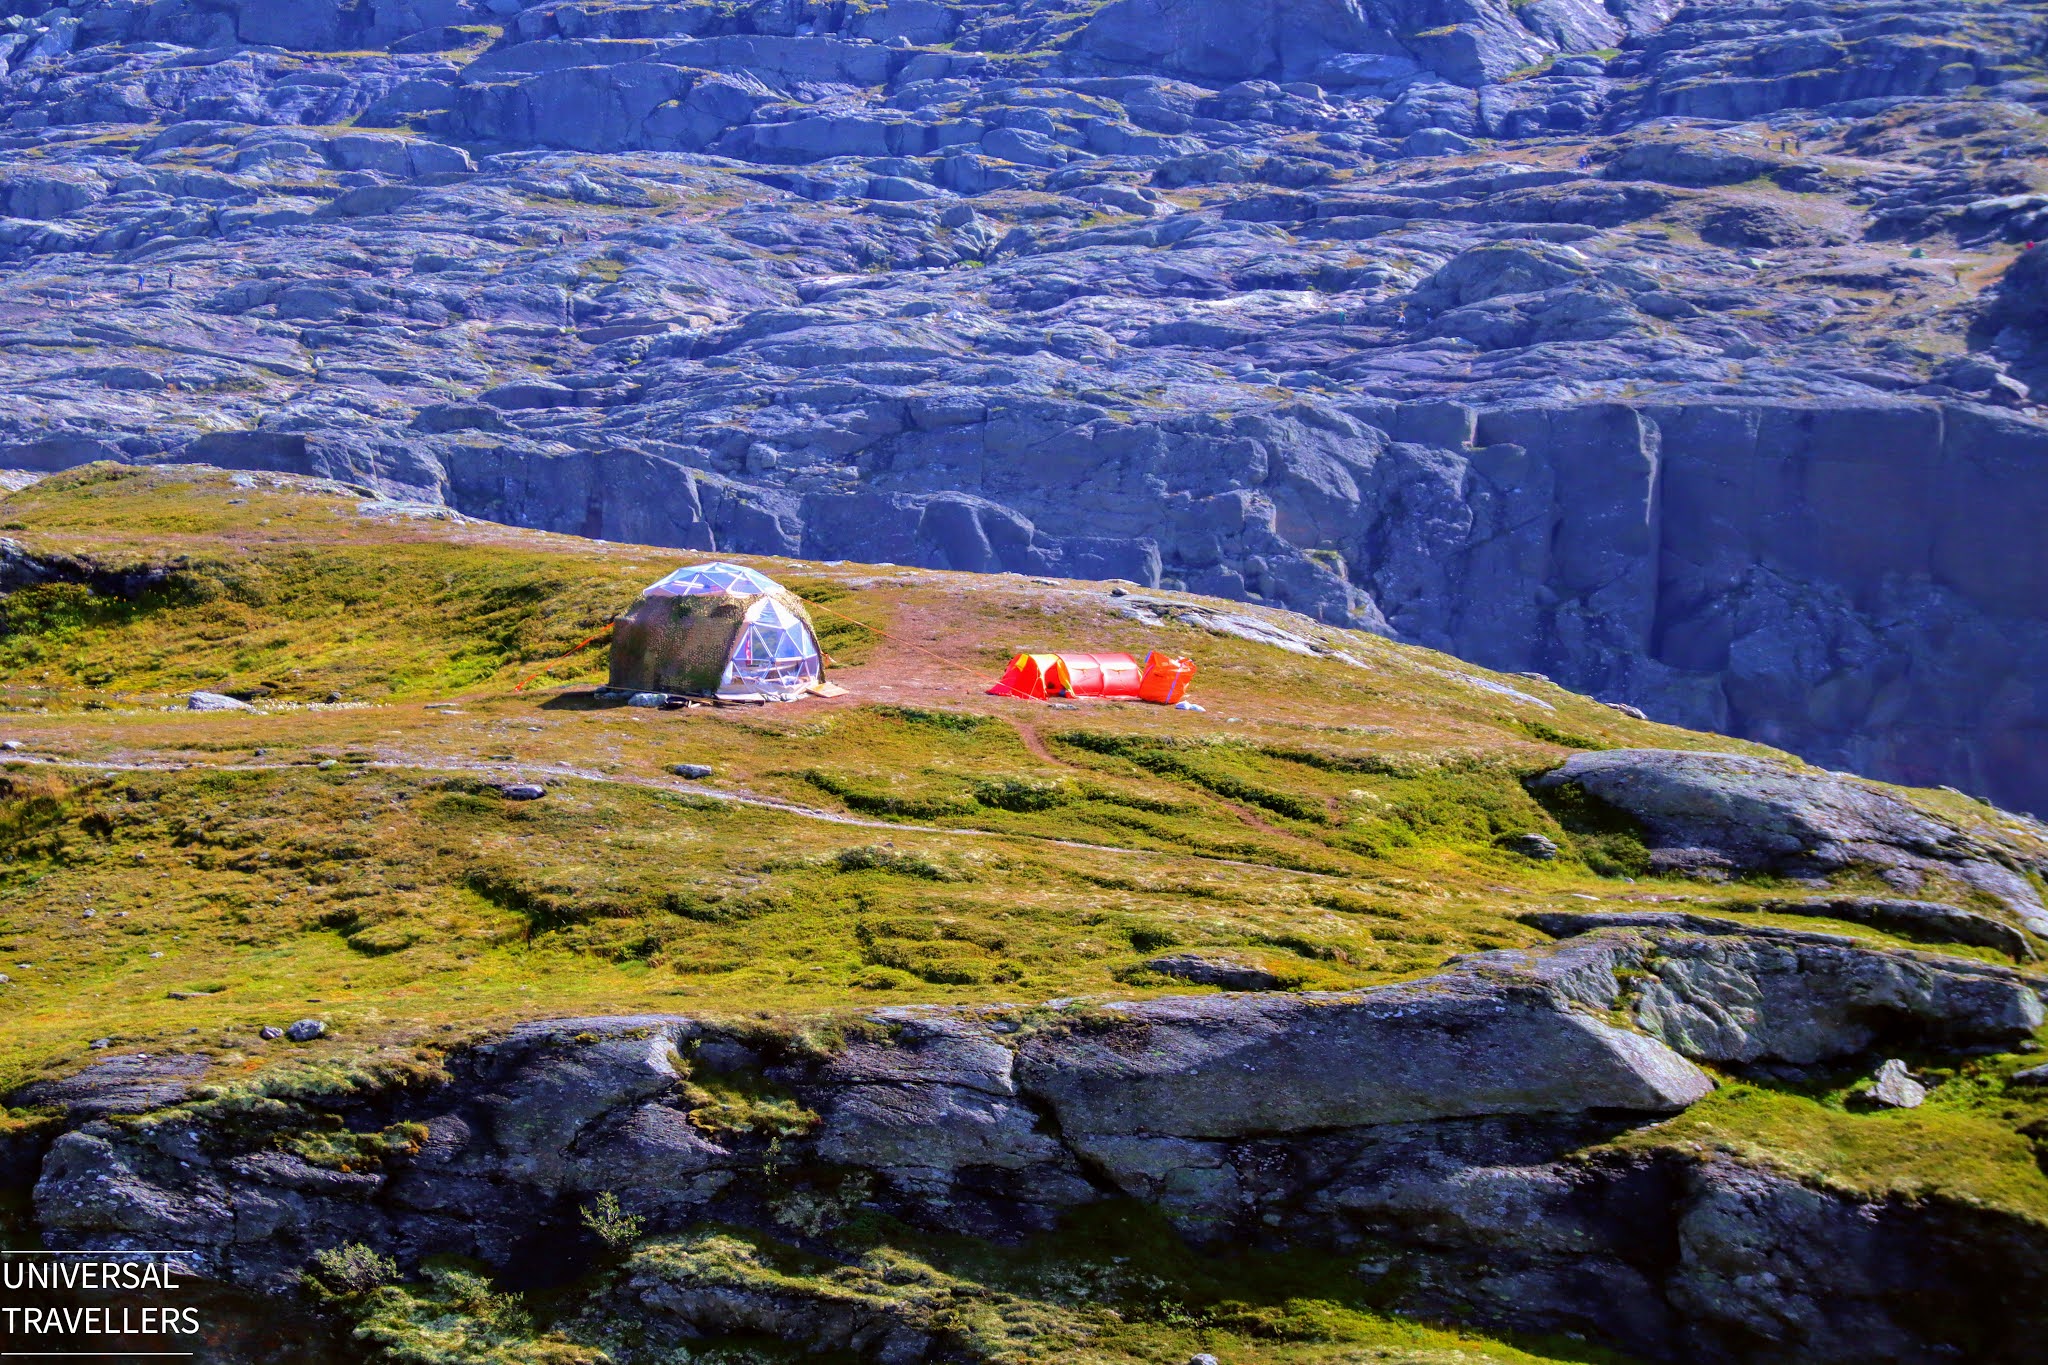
point(1039, 677)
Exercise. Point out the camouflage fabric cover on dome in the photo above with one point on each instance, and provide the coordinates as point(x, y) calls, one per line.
point(716, 630)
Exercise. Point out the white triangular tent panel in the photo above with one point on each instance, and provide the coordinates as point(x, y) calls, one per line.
point(776, 657)
point(696, 580)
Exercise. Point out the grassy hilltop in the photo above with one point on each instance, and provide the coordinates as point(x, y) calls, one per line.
point(915, 840)
point(176, 880)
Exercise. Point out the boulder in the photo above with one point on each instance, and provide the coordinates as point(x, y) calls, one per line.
point(1738, 813)
point(1229, 1066)
point(133, 1083)
point(556, 1080)
point(2021, 299)
point(1895, 1087)
point(215, 701)
point(1212, 969)
point(1540, 847)
point(1687, 163)
point(1720, 990)
point(1927, 921)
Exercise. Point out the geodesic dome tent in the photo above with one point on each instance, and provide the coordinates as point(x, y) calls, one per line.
point(717, 630)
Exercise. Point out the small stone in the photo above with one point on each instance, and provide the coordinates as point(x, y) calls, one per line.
point(305, 1031)
point(215, 701)
point(10, 745)
point(2033, 1075)
point(270, 1033)
point(324, 764)
point(99, 1044)
point(1188, 706)
point(333, 697)
point(1119, 592)
point(523, 791)
point(158, 953)
point(1632, 712)
point(1203, 1359)
point(2008, 392)
point(1531, 845)
point(89, 913)
point(649, 699)
point(693, 770)
point(1895, 1087)
point(5, 978)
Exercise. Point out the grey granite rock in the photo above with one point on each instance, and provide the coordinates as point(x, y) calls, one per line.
point(1224, 1067)
point(1924, 920)
point(132, 1083)
point(1742, 813)
point(1540, 847)
point(1446, 1123)
point(1719, 990)
point(1894, 1087)
point(1215, 969)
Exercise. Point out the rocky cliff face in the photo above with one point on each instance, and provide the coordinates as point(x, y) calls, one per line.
point(1463, 1125)
point(1669, 351)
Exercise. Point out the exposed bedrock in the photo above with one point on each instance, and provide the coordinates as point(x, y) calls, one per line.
point(1714, 814)
point(1455, 1128)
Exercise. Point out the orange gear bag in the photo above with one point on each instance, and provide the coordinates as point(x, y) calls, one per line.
point(1166, 678)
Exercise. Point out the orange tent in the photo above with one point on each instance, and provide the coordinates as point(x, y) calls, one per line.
point(1040, 677)
point(1036, 676)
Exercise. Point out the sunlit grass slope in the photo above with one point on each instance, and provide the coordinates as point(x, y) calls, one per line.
point(181, 879)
